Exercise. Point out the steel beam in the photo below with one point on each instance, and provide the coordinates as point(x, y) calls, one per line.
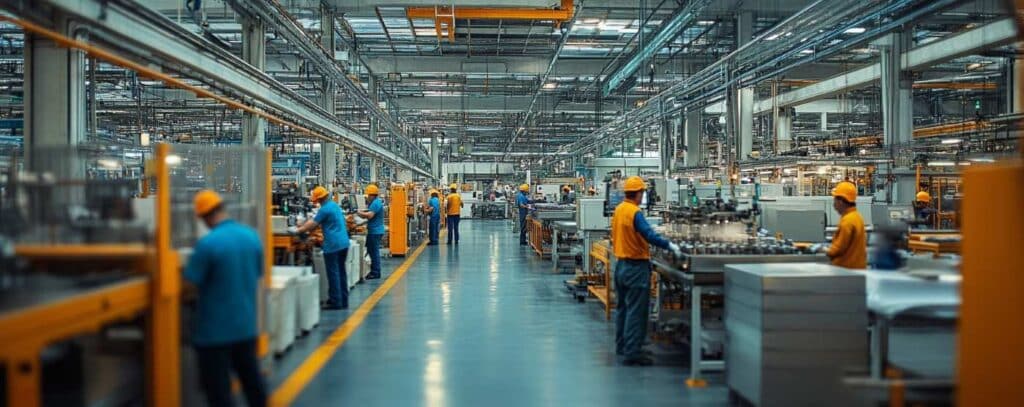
point(668, 31)
point(141, 33)
point(282, 23)
point(990, 35)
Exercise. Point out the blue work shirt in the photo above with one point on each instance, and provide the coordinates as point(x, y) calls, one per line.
point(226, 266)
point(376, 224)
point(435, 203)
point(521, 200)
point(332, 221)
point(645, 229)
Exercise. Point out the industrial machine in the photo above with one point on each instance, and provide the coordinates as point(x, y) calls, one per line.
point(689, 301)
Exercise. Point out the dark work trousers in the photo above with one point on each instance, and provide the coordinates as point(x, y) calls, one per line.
point(522, 226)
point(216, 364)
point(435, 228)
point(632, 309)
point(373, 249)
point(337, 279)
point(453, 228)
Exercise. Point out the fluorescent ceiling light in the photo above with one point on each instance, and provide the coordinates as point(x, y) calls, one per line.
point(973, 66)
point(173, 159)
point(941, 164)
point(550, 85)
point(951, 141)
point(983, 160)
point(807, 51)
point(592, 20)
point(856, 30)
point(705, 22)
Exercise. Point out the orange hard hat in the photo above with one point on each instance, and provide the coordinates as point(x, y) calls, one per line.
point(923, 196)
point(372, 190)
point(565, 188)
point(206, 201)
point(524, 188)
point(318, 193)
point(846, 190)
point(634, 183)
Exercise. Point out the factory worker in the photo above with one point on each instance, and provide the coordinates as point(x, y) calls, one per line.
point(631, 239)
point(454, 209)
point(566, 195)
point(434, 209)
point(374, 228)
point(923, 211)
point(591, 191)
point(331, 220)
point(850, 243)
point(225, 268)
point(523, 203)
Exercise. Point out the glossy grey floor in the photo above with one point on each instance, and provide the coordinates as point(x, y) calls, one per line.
point(485, 323)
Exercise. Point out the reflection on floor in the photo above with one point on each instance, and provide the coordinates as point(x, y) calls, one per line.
point(485, 323)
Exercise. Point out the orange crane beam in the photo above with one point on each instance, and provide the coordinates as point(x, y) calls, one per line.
point(564, 13)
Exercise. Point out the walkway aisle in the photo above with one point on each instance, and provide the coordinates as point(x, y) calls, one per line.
point(488, 323)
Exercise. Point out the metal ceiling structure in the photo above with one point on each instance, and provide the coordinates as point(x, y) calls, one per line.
point(517, 82)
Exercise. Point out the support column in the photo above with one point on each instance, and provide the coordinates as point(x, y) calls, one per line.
point(355, 166)
point(54, 92)
point(665, 147)
point(254, 52)
point(435, 157)
point(328, 159)
point(784, 129)
point(745, 96)
point(897, 96)
point(824, 121)
point(694, 149)
point(374, 125)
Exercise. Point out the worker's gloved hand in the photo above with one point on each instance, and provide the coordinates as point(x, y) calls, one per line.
point(676, 250)
point(818, 248)
point(359, 220)
point(292, 230)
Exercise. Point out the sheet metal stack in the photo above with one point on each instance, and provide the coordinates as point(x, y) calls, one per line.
point(793, 329)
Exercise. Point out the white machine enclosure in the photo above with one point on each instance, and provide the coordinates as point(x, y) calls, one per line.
point(590, 214)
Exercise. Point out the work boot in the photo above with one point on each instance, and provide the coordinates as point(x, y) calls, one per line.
point(638, 361)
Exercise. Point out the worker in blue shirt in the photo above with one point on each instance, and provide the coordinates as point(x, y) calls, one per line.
point(434, 209)
point(631, 239)
point(225, 268)
point(331, 219)
point(374, 229)
point(523, 203)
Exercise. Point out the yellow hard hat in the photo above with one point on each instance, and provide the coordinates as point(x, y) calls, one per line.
point(453, 186)
point(847, 191)
point(524, 188)
point(433, 191)
point(318, 193)
point(634, 183)
point(372, 190)
point(206, 201)
point(923, 196)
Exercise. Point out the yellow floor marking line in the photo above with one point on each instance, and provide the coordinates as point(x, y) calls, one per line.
point(297, 381)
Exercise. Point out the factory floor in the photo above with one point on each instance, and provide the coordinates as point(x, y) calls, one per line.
point(486, 322)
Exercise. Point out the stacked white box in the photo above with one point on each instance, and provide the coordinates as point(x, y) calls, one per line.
point(792, 330)
point(307, 295)
point(281, 313)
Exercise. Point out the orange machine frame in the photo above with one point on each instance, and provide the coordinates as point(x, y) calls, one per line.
point(398, 227)
point(24, 333)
